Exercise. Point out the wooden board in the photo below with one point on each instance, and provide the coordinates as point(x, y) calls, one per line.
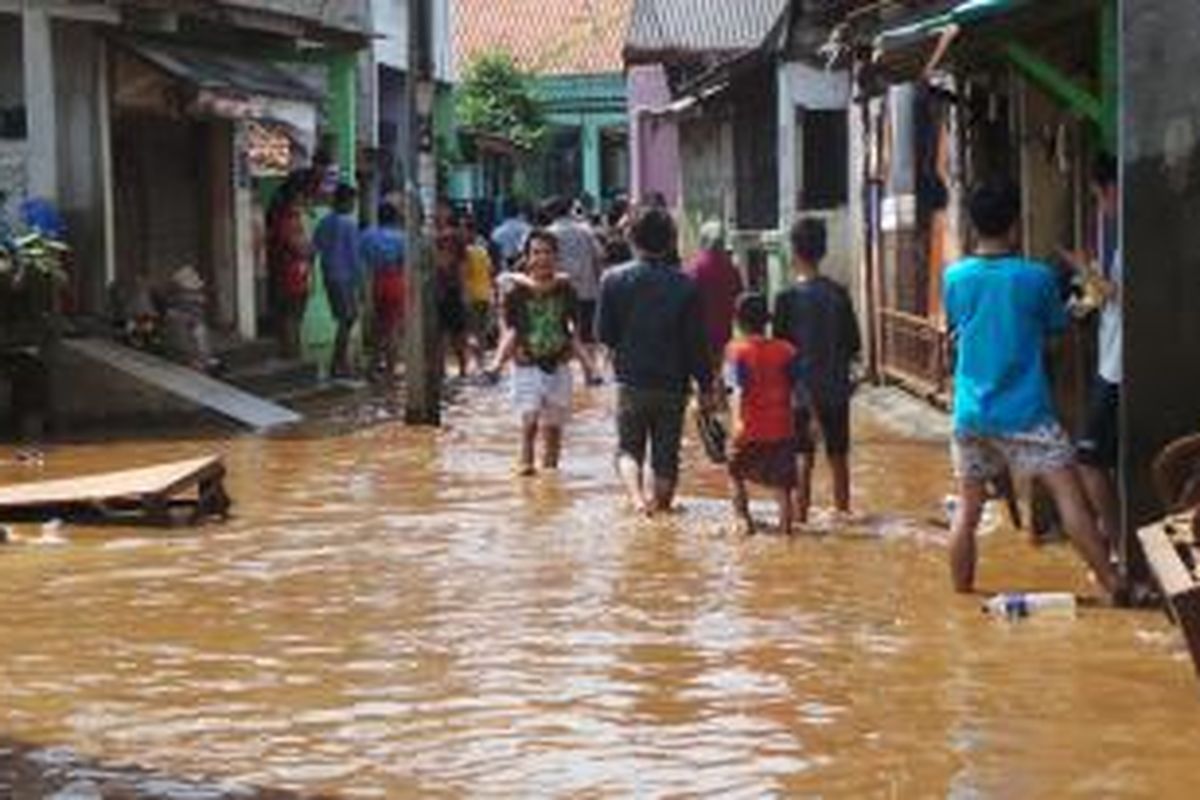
point(158, 481)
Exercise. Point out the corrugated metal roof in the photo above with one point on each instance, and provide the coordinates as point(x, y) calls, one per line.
point(344, 15)
point(698, 26)
point(560, 37)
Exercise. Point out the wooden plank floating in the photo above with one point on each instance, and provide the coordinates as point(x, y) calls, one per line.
point(163, 494)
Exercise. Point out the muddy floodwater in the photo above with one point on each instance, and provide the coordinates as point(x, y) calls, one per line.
point(392, 614)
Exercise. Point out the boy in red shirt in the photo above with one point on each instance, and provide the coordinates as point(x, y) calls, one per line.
point(764, 372)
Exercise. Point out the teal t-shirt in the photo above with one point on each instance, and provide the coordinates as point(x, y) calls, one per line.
point(1001, 309)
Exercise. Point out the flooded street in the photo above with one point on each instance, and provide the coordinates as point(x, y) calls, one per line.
point(392, 614)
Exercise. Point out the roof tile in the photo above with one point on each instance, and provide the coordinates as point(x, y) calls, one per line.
point(565, 37)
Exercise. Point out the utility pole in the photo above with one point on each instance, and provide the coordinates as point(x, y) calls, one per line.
point(424, 361)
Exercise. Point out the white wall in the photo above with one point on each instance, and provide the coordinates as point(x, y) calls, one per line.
point(389, 19)
point(390, 23)
point(817, 88)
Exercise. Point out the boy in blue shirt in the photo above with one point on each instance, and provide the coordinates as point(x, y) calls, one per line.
point(1001, 308)
point(382, 250)
point(336, 240)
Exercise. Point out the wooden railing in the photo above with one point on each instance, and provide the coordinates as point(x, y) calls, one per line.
point(913, 350)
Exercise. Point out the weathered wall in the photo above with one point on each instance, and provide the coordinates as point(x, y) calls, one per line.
point(705, 144)
point(13, 177)
point(1161, 236)
point(80, 191)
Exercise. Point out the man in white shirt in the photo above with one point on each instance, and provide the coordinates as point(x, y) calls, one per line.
point(582, 259)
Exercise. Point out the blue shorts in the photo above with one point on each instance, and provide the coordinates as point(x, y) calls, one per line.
point(343, 300)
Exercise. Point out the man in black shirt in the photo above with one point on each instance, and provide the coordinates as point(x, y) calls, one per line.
point(650, 319)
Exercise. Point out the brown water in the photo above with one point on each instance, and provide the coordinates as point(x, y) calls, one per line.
point(391, 614)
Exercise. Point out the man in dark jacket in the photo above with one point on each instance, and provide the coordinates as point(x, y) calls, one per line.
point(650, 320)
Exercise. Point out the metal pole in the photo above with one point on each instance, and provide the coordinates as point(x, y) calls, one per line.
point(424, 360)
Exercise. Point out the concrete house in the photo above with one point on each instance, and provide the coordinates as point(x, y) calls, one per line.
point(153, 127)
point(136, 120)
point(735, 116)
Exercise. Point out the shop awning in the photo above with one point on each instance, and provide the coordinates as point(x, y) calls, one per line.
point(217, 84)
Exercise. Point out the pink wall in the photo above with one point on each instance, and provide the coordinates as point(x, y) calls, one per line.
point(653, 138)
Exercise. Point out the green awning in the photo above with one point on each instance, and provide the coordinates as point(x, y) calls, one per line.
point(965, 12)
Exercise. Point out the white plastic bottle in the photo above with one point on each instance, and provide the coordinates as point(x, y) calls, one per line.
point(1017, 605)
point(950, 507)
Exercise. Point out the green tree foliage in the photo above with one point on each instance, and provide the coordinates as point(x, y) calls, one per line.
point(497, 97)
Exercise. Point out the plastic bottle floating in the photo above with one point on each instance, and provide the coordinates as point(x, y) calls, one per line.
point(1018, 605)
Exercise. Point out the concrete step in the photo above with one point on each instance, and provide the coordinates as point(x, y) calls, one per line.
point(274, 377)
point(236, 355)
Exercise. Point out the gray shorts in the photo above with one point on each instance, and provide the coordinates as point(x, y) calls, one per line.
point(1042, 449)
point(651, 418)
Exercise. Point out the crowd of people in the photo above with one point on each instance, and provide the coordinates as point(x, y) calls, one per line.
point(551, 286)
point(668, 331)
point(357, 264)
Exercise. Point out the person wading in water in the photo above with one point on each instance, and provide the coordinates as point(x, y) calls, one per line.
point(650, 320)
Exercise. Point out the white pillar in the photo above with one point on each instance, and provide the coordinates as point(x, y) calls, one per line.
point(243, 253)
point(41, 114)
point(786, 114)
point(244, 256)
point(104, 147)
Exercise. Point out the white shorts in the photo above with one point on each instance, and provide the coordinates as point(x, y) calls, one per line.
point(546, 395)
point(1043, 449)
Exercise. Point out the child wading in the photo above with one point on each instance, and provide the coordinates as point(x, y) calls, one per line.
point(383, 253)
point(1001, 308)
point(816, 315)
point(541, 338)
point(764, 371)
point(336, 239)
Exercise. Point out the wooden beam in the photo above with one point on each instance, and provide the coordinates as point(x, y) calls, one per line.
point(1110, 91)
